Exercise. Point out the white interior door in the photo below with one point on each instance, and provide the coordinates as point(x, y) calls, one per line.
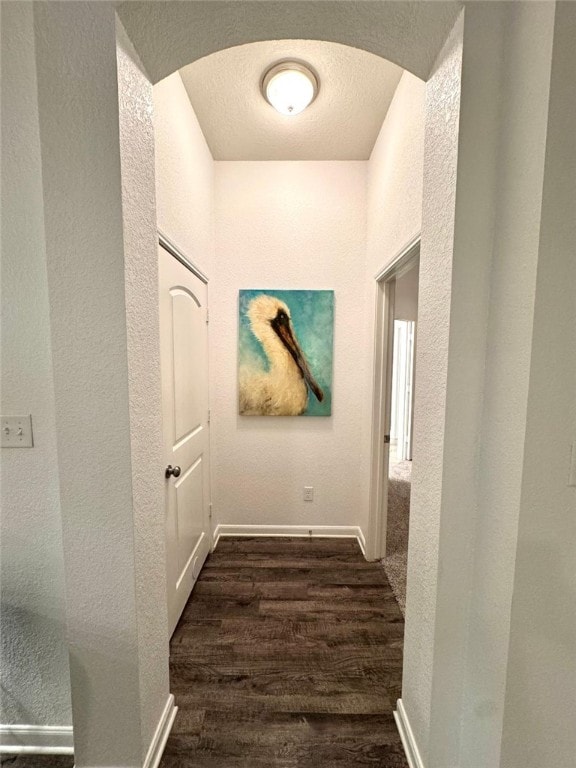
point(184, 360)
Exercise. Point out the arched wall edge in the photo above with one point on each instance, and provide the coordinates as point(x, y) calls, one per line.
point(170, 35)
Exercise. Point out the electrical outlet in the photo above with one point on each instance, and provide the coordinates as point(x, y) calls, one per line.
point(308, 493)
point(16, 431)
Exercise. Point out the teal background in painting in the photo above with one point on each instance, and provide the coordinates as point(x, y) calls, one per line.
point(312, 314)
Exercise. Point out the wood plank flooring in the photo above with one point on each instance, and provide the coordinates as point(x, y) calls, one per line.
point(37, 761)
point(288, 655)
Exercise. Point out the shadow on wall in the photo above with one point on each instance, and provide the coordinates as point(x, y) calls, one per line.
point(41, 634)
point(38, 635)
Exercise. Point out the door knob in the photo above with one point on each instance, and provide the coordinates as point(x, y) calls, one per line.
point(174, 471)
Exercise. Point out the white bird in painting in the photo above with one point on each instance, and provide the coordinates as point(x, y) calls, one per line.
point(282, 390)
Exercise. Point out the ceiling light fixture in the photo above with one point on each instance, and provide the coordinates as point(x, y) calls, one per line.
point(290, 86)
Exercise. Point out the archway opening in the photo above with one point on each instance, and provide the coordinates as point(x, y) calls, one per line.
point(261, 201)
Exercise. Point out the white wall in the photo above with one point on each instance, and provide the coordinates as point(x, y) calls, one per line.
point(475, 358)
point(95, 109)
point(394, 218)
point(169, 37)
point(440, 157)
point(406, 296)
point(144, 381)
point(184, 175)
point(102, 575)
point(395, 176)
point(256, 246)
point(539, 728)
point(289, 225)
point(521, 139)
point(35, 672)
point(482, 356)
point(435, 642)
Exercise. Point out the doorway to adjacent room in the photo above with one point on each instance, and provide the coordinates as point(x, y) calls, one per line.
point(395, 377)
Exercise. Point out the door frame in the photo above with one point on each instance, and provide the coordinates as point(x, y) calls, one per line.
point(381, 394)
point(173, 249)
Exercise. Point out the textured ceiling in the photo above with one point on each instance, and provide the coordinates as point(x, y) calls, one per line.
point(356, 89)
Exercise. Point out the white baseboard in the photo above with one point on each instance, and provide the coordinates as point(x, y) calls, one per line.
point(58, 740)
point(36, 739)
point(304, 531)
point(161, 734)
point(361, 540)
point(407, 736)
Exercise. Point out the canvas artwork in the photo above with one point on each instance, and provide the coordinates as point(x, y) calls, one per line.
point(285, 353)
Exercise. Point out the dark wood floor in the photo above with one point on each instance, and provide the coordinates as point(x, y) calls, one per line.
point(288, 655)
point(37, 761)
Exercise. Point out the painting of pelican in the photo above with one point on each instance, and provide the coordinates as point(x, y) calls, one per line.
point(285, 353)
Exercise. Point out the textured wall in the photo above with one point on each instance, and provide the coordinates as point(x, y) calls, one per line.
point(184, 174)
point(99, 237)
point(541, 681)
point(524, 73)
point(440, 157)
point(95, 399)
point(169, 35)
point(289, 225)
point(394, 217)
point(144, 387)
point(35, 673)
point(84, 245)
point(395, 177)
point(184, 194)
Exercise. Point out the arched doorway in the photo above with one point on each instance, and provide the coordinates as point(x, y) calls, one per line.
point(163, 36)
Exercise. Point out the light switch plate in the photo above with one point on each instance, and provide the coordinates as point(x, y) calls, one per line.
point(16, 431)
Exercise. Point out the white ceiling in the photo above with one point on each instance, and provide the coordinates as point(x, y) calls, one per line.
point(343, 122)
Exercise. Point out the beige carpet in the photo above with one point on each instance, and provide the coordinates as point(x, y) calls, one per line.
point(396, 560)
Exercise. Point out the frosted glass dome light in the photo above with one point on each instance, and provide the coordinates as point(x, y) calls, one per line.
point(289, 87)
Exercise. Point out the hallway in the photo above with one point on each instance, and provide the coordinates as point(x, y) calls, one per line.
point(288, 654)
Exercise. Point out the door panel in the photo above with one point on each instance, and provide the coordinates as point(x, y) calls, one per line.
point(188, 322)
point(189, 495)
point(184, 360)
